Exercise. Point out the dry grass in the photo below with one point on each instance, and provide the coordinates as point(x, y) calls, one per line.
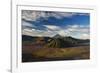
point(81, 52)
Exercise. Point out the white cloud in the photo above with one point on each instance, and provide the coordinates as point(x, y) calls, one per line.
point(34, 15)
point(52, 27)
point(34, 32)
point(78, 28)
point(74, 26)
point(85, 36)
point(27, 30)
point(60, 15)
point(24, 23)
point(77, 31)
point(63, 32)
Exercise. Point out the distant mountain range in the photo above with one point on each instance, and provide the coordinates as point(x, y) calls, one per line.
point(57, 41)
point(57, 36)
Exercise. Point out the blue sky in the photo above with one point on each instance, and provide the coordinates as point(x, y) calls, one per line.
point(46, 23)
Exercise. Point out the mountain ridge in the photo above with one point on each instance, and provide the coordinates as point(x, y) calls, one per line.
point(56, 42)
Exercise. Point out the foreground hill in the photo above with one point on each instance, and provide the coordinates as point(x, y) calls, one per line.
point(50, 54)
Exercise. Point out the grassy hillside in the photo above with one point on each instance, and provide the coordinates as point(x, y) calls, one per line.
point(55, 48)
point(50, 54)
